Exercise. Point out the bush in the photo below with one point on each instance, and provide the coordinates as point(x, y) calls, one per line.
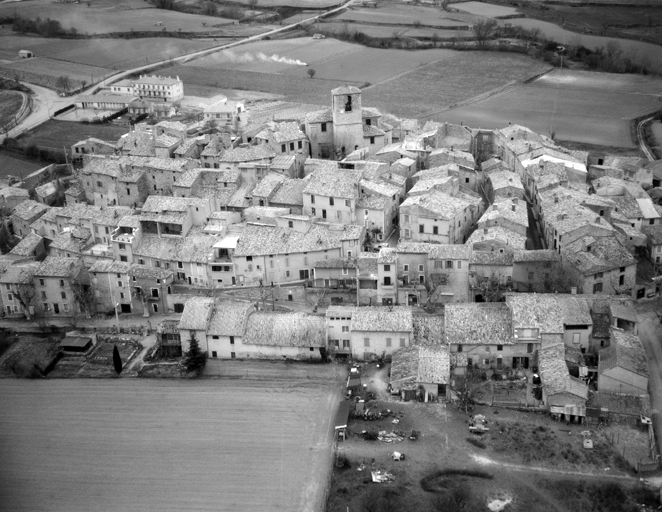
point(476, 442)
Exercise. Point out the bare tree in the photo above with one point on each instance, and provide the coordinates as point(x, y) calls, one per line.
point(63, 83)
point(488, 286)
point(613, 53)
point(556, 282)
point(24, 292)
point(484, 30)
point(140, 293)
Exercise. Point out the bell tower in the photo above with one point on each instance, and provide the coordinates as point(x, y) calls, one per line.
point(347, 119)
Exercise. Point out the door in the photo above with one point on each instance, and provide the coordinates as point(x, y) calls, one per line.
point(179, 308)
point(234, 280)
point(304, 274)
point(125, 308)
point(155, 308)
point(56, 309)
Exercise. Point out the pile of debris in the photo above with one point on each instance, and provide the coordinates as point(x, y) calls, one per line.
point(392, 437)
point(380, 477)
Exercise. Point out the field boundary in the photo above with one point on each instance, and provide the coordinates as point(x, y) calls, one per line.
point(23, 112)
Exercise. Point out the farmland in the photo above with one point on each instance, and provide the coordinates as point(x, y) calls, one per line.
point(106, 16)
point(14, 166)
point(595, 108)
point(45, 71)
point(399, 14)
point(107, 53)
point(56, 134)
point(10, 104)
point(483, 9)
point(389, 31)
point(445, 83)
point(164, 445)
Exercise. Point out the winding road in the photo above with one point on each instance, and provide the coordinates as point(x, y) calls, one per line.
point(46, 100)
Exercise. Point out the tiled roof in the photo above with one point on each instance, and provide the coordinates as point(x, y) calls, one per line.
point(382, 319)
point(415, 364)
point(540, 255)
point(27, 246)
point(654, 233)
point(28, 210)
point(367, 264)
point(249, 154)
point(268, 184)
point(145, 272)
point(14, 192)
point(429, 330)
point(491, 258)
point(372, 131)
point(158, 80)
point(72, 241)
point(449, 252)
point(387, 255)
point(285, 132)
point(625, 351)
point(240, 197)
point(476, 323)
point(110, 266)
point(414, 247)
point(606, 253)
point(624, 312)
point(440, 171)
point(547, 312)
point(196, 314)
point(267, 240)
point(601, 325)
point(129, 221)
point(285, 330)
point(336, 263)
point(345, 89)
point(19, 274)
point(438, 204)
point(229, 318)
point(442, 183)
point(158, 204)
point(378, 187)
point(505, 179)
point(372, 202)
point(340, 183)
point(321, 116)
point(59, 267)
point(555, 377)
point(632, 188)
point(498, 234)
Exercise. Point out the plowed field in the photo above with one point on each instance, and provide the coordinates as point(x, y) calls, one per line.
point(143, 445)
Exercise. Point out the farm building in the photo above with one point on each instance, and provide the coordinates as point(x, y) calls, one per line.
point(103, 101)
point(564, 395)
point(623, 366)
point(11, 196)
point(195, 322)
point(284, 335)
point(167, 336)
point(76, 343)
point(25, 54)
point(420, 372)
point(226, 330)
point(379, 331)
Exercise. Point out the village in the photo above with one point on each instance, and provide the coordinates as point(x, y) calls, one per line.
point(470, 269)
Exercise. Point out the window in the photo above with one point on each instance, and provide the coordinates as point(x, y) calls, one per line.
point(43, 295)
point(405, 267)
point(459, 348)
point(61, 283)
point(331, 202)
point(388, 342)
point(407, 233)
point(120, 284)
point(366, 342)
point(420, 268)
point(421, 279)
point(622, 269)
point(599, 275)
point(323, 127)
point(345, 328)
point(499, 347)
point(345, 344)
point(421, 228)
point(300, 145)
point(529, 348)
point(231, 340)
point(348, 104)
point(312, 199)
point(387, 281)
point(345, 272)
point(597, 287)
point(435, 230)
point(621, 280)
point(99, 184)
point(346, 204)
point(405, 219)
point(46, 306)
point(63, 295)
point(155, 293)
point(387, 268)
point(459, 265)
point(248, 258)
point(213, 352)
point(10, 297)
point(402, 342)
point(290, 224)
point(287, 273)
point(449, 264)
point(66, 307)
point(312, 211)
point(324, 214)
point(372, 140)
point(283, 148)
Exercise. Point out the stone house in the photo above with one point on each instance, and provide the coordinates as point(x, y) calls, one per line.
point(227, 328)
point(623, 366)
point(537, 271)
point(332, 195)
point(24, 214)
point(448, 269)
point(381, 330)
point(654, 243)
point(54, 282)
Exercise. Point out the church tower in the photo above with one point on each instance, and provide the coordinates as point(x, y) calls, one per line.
point(347, 119)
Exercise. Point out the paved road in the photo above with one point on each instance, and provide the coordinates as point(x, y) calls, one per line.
point(650, 333)
point(46, 101)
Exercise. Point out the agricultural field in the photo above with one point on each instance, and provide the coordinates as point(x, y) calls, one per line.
point(483, 9)
point(10, 104)
point(440, 85)
point(594, 108)
point(11, 165)
point(108, 53)
point(390, 32)
point(56, 134)
point(165, 445)
point(42, 71)
point(107, 16)
point(406, 15)
point(291, 88)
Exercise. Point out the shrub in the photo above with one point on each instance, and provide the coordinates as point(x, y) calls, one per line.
point(476, 442)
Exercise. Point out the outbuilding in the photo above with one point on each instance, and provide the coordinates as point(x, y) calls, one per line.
point(76, 344)
point(25, 54)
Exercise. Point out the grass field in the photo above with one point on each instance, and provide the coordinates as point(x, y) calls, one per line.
point(56, 134)
point(483, 9)
point(439, 85)
point(10, 104)
point(129, 444)
point(106, 16)
point(388, 32)
point(595, 108)
point(108, 53)
point(56, 68)
point(13, 166)
point(303, 90)
point(399, 14)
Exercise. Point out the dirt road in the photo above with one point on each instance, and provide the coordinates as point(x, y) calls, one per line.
point(127, 444)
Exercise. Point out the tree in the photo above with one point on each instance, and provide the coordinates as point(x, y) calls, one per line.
point(488, 286)
point(7, 240)
point(484, 30)
point(210, 9)
point(84, 294)
point(24, 292)
point(612, 56)
point(117, 360)
point(138, 292)
point(195, 360)
point(63, 83)
point(556, 282)
point(311, 72)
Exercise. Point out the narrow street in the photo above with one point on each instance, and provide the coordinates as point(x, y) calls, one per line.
point(650, 333)
point(533, 240)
